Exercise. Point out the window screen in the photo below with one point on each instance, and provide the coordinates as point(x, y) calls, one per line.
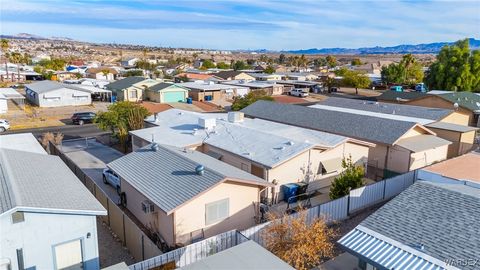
point(216, 211)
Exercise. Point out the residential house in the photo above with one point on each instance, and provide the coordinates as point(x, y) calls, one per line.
point(230, 75)
point(399, 146)
point(465, 103)
point(266, 77)
point(430, 225)
point(247, 255)
point(55, 94)
point(448, 124)
point(201, 91)
point(278, 153)
point(47, 216)
point(189, 77)
point(298, 76)
point(129, 62)
point(166, 93)
point(63, 76)
point(310, 86)
point(185, 195)
point(130, 88)
point(101, 73)
point(271, 88)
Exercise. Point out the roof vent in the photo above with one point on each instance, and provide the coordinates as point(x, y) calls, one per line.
point(180, 113)
point(154, 147)
point(200, 170)
point(194, 131)
point(290, 143)
point(418, 246)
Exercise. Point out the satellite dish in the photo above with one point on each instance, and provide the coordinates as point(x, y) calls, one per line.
point(455, 105)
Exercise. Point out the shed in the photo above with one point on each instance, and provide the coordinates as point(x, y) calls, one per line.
point(54, 94)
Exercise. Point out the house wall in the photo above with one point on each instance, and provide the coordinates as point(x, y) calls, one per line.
point(3, 106)
point(376, 156)
point(244, 76)
point(191, 216)
point(129, 90)
point(398, 159)
point(452, 136)
point(459, 117)
point(38, 235)
point(67, 97)
point(159, 220)
point(100, 76)
point(437, 102)
point(200, 95)
point(425, 158)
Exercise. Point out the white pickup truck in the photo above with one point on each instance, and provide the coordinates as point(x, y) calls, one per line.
point(4, 125)
point(298, 92)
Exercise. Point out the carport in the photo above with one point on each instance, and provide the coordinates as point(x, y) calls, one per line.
point(99, 93)
point(12, 95)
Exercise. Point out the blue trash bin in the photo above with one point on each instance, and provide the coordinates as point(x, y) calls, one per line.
point(289, 191)
point(189, 100)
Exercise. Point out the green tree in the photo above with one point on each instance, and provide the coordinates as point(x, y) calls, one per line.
point(350, 178)
point(355, 79)
point(53, 64)
point(223, 65)
point(242, 102)
point(269, 70)
point(356, 62)
point(281, 58)
point(16, 58)
point(240, 65)
point(456, 69)
point(320, 62)
point(331, 61)
point(4, 46)
point(408, 71)
point(133, 73)
point(120, 118)
point(207, 63)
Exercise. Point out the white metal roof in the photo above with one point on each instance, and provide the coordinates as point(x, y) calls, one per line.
point(388, 253)
point(10, 93)
point(261, 141)
point(208, 86)
point(25, 142)
point(421, 121)
point(251, 84)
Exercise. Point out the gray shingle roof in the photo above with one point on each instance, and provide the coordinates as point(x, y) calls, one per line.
point(388, 108)
point(47, 86)
point(42, 182)
point(367, 128)
point(167, 176)
point(444, 218)
point(163, 85)
point(467, 100)
point(124, 83)
point(227, 74)
point(393, 95)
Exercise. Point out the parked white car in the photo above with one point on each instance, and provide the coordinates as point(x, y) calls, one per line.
point(4, 125)
point(111, 178)
point(298, 92)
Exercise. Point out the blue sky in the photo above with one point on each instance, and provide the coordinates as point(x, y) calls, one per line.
point(245, 24)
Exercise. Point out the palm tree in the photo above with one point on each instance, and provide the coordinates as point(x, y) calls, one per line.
point(16, 58)
point(4, 46)
point(121, 55)
point(105, 73)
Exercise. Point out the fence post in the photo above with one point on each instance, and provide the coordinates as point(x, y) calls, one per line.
point(108, 210)
point(143, 248)
point(348, 204)
point(384, 189)
point(123, 226)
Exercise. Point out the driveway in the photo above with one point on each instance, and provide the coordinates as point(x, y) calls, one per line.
point(92, 157)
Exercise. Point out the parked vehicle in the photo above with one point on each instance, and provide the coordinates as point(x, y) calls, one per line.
point(4, 125)
point(83, 118)
point(298, 92)
point(333, 89)
point(420, 87)
point(111, 178)
point(396, 88)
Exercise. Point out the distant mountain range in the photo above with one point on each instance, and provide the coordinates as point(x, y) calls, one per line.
point(399, 49)
point(419, 48)
point(34, 37)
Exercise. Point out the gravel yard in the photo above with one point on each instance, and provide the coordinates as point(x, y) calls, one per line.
point(110, 247)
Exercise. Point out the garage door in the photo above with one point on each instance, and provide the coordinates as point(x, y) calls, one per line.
point(174, 97)
point(69, 255)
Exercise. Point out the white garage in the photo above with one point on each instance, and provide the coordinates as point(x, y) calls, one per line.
point(54, 94)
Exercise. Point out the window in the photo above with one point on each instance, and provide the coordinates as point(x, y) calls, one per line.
point(216, 211)
point(132, 93)
point(18, 217)
point(244, 167)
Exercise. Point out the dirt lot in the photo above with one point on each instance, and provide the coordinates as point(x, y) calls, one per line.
point(34, 117)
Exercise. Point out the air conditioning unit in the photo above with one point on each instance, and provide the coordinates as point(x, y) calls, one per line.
point(148, 207)
point(207, 123)
point(235, 117)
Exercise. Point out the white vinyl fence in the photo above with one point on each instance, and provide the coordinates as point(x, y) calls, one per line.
point(341, 208)
point(335, 210)
point(189, 254)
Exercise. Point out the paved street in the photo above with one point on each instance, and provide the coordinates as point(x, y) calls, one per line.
point(69, 131)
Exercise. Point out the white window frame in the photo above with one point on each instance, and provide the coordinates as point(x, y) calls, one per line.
point(215, 206)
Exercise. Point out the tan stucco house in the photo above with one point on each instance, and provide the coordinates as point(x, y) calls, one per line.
point(229, 75)
point(278, 153)
point(398, 146)
point(130, 88)
point(185, 195)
